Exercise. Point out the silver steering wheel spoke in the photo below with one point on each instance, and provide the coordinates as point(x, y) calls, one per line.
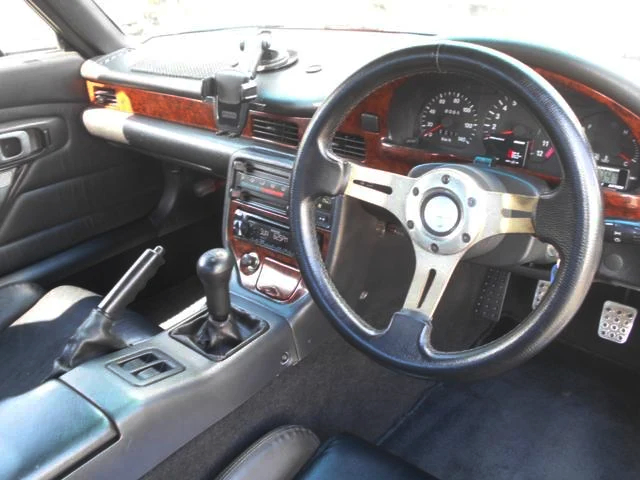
point(430, 279)
point(515, 213)
point(377, 187)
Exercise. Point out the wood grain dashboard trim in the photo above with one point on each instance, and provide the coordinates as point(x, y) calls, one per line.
point(616, 204)
point(186, 111)
point(379, 153)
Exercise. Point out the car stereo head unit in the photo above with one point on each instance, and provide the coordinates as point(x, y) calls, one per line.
point(262, 231)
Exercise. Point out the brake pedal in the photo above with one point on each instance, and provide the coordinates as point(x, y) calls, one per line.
point(616, 321)
point(489, 303)
point(541, 291)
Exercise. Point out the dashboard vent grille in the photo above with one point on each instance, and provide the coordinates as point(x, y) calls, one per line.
point(105, 96)
point(276, 130)
point(352, 146)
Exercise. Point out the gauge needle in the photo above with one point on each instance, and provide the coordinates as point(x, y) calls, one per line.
point(624, 156)
point(506, 132)
point(433, 130)
point(549, 153)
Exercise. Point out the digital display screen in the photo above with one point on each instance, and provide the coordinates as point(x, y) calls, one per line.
point(507, 151)
point(608, 175)
point(270, 236)
point(613, 177)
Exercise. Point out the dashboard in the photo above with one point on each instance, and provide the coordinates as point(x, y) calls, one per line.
point(449, 114)
point(149, 101)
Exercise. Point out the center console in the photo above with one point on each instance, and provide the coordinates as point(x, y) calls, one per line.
point(258, 230)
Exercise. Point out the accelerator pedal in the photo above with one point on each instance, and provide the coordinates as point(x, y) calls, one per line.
point(616, 321)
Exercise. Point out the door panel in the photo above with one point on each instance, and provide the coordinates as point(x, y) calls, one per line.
point(72, 186)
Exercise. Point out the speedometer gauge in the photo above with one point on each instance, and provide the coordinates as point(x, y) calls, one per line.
point(512, 136)
point(449, 118)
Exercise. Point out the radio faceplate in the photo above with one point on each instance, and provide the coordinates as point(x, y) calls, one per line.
point(262, 231)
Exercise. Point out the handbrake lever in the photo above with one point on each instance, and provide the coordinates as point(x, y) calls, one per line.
point(94, 337)
point(132, 282)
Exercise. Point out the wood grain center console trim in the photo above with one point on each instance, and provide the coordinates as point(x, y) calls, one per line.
point(273, 265)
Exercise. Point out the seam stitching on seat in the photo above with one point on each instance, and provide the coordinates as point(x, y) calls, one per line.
point(274, 436)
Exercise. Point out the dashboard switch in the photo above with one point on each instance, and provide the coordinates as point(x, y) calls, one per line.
point(249, 263)
point(483, 161)
point(621, 231)
point(370, 122)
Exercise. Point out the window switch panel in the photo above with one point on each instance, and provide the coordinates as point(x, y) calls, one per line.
point(145, 367)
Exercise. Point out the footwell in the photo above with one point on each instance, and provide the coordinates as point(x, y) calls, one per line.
point(563, 415)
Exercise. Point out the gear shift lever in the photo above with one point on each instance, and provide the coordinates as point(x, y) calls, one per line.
point(220, 328)
point(214, 271)
point(220, 331)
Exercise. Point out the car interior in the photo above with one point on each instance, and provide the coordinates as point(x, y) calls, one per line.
point(268, 251)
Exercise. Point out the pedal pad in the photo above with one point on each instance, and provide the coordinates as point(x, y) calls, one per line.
point(541, 291)
point(616, 321)
point(489, 303)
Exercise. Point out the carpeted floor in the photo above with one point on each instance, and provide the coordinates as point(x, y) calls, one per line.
point(336, 389)
point(563, 415)
point(169, 302)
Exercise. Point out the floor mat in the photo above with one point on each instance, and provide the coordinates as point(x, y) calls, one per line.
point(335, 389)
point(563, 415)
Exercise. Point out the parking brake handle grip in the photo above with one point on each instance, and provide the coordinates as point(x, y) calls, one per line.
point(132, 282)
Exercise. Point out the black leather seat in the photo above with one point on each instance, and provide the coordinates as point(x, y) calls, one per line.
point(35, 326)
point(294, 452)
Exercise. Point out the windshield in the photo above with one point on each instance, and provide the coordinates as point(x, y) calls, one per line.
point(590, 29)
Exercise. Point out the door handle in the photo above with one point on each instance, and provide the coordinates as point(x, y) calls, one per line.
point(16, 145)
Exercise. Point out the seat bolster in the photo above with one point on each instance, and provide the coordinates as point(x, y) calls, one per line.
point(344, 457)
point(16, 299)
point(279, 455)
point(72, 305)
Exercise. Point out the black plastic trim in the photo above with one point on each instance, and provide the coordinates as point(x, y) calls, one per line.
point(48, 271)
point(182, 143)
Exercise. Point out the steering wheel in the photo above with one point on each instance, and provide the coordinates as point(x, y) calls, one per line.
point(447, 210)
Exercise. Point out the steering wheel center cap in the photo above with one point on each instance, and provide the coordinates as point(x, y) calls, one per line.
point(440, 214)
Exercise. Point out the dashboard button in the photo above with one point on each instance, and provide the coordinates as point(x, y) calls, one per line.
point(369, 122)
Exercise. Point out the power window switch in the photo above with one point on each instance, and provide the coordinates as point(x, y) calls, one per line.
point(134, 364)
point(147, 373)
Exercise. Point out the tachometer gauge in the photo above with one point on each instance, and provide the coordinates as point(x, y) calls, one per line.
point(450, 119)
point(512, 137)
point(615, 150)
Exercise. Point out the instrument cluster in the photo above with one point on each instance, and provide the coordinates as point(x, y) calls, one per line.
point(460, 116)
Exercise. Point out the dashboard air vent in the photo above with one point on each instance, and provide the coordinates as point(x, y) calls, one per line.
point(276, 130)
point(348, 145)
point(105, 96)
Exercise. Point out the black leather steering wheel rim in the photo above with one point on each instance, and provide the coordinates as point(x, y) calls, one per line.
point(570, 218)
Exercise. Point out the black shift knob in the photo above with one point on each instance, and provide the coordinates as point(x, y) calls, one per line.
point(214, 271)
